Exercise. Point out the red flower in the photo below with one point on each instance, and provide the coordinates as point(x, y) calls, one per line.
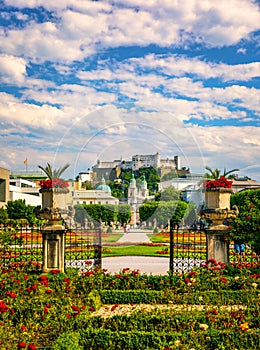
point(31, 347)
point(3, 307)
point(48, 291)
point(23, 329)
point(33, 287)
point(54, 183)
point(21, 345)
point(11, 294)
point(223, 279)
point(221, 182)
point(26, 277)
point(248, 217)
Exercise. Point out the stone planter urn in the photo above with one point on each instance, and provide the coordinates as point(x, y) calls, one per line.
point(54, 197)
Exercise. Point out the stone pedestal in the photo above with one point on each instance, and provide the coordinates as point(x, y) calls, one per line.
point(217, 247)
point(217, 210)
point(53, 248)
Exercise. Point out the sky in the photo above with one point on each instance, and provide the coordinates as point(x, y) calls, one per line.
point(83, 80)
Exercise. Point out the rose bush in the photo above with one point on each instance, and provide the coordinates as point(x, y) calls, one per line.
point(46, 310)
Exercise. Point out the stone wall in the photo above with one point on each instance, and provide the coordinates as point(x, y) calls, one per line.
point(4, 186)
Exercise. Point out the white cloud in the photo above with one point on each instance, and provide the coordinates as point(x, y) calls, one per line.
point(12, 69)
point(90, 26)
point(174, 65)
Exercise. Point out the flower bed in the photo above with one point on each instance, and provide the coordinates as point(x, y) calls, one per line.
point(212, 307)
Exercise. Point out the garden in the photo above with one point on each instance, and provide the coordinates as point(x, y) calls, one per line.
point(214, 306)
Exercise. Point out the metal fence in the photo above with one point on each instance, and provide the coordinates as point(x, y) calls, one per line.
point(189, 249)
point(22, 246)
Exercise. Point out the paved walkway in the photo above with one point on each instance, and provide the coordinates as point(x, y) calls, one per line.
point(135, 236)
point(145, 264)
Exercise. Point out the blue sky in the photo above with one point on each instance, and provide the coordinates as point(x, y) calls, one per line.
point(84, 80)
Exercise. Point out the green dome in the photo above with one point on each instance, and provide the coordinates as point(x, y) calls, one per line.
point(103, 186)
point(132, 181)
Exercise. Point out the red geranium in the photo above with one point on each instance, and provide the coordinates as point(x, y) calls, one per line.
point(221, 182)
point(53, 183)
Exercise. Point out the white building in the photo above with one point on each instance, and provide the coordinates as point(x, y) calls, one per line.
point(24, 189)
point(101, 195)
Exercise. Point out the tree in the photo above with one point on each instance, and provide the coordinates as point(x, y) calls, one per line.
point(3, 215)
point(163, 211)
point(124, 213)
point(216, 173)
point(19, 210)
point(245, 228)
point(171, 175)
point(53, 173)
point(169, 194)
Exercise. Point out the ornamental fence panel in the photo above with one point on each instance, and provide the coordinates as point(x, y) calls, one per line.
point(188, 249)
point(21, 246)
point(83, 247)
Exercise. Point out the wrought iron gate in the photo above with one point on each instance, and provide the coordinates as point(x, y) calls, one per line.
point(187, 248)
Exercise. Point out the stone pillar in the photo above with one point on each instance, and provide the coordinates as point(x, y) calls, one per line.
point(217, 246)
point(53, 249)
point(217, 210)
point(53, 233)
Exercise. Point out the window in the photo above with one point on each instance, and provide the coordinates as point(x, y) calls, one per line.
point(90, 202)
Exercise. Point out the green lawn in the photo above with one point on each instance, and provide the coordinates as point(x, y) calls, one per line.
point(111, 237)
point(133, 250)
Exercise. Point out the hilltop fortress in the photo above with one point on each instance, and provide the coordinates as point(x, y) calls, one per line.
point(109, 170)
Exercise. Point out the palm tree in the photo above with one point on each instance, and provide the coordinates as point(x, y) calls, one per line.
point(53, 173)
point(216, 173)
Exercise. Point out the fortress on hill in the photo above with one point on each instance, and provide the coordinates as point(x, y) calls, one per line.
point(108, 170)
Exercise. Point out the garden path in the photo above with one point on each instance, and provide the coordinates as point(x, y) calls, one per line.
point(135, 236)
point(145, 264)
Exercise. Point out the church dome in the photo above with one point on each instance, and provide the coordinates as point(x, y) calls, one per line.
point(103, 186)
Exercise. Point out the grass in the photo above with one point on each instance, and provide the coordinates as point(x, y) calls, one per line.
point(132, 250)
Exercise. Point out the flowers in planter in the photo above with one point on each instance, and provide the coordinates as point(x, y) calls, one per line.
point(220, 182)
point(53, 183)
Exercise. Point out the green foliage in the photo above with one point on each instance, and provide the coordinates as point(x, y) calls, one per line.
point(212, 307)
point(68, 341)
point(216, 173)
point(53, 173)
point(171, 175)
point(19, 210)
point(245, 228)
point(94, 300)
point(169, 194)
point(162, 212)
point(80, 214)
point(109, 213)
point(124, 213)
point(3, 215)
